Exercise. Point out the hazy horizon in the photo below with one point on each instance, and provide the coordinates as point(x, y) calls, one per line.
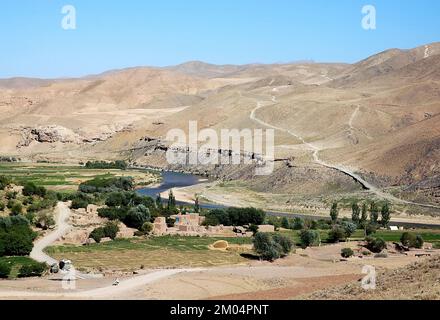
point(111, 36)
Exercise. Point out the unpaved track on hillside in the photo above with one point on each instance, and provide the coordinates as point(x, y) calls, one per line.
point(337, 167)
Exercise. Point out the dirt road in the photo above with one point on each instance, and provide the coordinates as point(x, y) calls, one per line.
point(340, 168)
point(62, 213)
point(107, 292)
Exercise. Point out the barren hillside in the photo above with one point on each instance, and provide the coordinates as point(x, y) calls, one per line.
point(379, 116)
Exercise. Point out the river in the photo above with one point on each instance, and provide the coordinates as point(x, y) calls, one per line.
point(172, 180)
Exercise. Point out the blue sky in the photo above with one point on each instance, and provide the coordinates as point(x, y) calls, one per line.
point(114, 34)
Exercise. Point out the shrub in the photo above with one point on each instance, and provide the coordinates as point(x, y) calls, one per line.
point(2, 206)
point(336, 234)
point(347, 253)
point(411, 240)
point(323, 224)
point(349, 228)
point(285, 223)
point(408, 239)
point(147, 227)
point(309, 238)
point(375, 245)
point(4, 182)
point(266, 247)
point(97, 234)
point(111, 230)
point(11, 195)
point(30, 189)
point(419, 242)
point(44, 221)
point(285, 243)
point(5, 270)
point(35, 269)
point(137, 216)
point(370, 229)
point(79, 203)
point(298, 223)
point(113, 213)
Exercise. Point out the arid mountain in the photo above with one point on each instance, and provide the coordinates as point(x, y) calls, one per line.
point(379, 116)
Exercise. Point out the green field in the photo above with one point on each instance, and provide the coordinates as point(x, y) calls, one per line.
point(158, 252)
point(16, 263)
point(65, 177)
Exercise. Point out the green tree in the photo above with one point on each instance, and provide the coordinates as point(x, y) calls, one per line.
point(309, 238)
point(271, 247)
point(364, 215)
point(97, 234)
point(111, 230)
point(355, 212)
point(16, 236)
point(5, 270)
point(386, 215)
point(159, 203)
point(284, 243)
point(285, 223)
point(410, 240)
point(171, 200)
point(196, 205)
point(336, 234)
point(349, 228)
point(137, 216)
point(374, 213)
point(334, 212)
point(375, 245)
point(298, 223)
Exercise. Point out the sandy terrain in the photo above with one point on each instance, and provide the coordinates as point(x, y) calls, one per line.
point(307, 271)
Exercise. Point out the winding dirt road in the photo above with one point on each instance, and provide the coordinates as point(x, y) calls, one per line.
point(62, 213)
point(310, 146)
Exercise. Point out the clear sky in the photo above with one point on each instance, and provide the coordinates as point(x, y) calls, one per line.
point(114, 34)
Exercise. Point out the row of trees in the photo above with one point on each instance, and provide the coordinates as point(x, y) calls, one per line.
point(118, 164)
point(106, 185)
point(360, 215)
point(235, 217)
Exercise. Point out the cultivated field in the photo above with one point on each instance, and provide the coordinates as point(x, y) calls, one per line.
point(60, 177)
